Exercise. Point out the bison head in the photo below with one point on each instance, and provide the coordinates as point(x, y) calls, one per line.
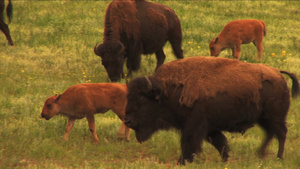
point(144, 113)
point(214, 48)
point(50, 108)
point(112, 55)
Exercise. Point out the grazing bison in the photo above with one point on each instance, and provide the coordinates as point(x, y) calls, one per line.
point(133, 28)
point(85, 100)
point(3, 26)
point(239, 32)
point(203, 96)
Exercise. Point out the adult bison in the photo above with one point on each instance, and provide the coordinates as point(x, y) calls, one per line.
point(3, 26)
point(239, 32)
point(203, 96)
point(133, 28)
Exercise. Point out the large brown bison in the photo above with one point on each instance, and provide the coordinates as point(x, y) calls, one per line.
point(239, 32)
point(3, 26)
point(85, 100)
point(203, 96)
point(136, 27)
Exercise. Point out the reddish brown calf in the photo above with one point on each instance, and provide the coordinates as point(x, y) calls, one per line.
point(239, 32)
point(85, 100)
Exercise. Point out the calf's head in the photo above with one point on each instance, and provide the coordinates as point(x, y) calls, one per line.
point(143, 110)
point(50, 108)
point(112, 55)
point(214, 47)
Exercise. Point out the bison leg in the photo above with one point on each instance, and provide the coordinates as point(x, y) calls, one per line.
point(69, 127)
point(219, 141)
point(91, 122)
point(259, 47)
point(280, 131)
point(271, 128)
point(127, 133)
point(124, 132)
point(236, 51)
point(191, 138)
point(176, 46)
point(270, 134)
point(160, 56)
point(133, 61)
point(4, 28)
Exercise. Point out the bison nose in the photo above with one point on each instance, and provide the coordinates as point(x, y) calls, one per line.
point(45, 116)
point(127, 122)
point(42, 115)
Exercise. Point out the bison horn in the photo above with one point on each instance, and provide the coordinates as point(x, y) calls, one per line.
point(149, 84)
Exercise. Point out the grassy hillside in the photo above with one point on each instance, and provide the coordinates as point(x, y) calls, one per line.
point(53, 50)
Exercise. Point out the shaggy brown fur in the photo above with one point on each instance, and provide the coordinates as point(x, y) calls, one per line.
point(239, 32)
point(3, 26)
point(85, 100)
point(222, 74)
point(133, 28)
point(203, 96)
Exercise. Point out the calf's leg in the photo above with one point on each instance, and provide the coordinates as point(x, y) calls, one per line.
point(69, 127)
point(91, 122)
point(124, 132)
point(258, 43)
point(236, 51)
point(127, 133)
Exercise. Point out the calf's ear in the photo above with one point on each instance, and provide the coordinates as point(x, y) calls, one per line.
point(57, 98)
point(216, 41)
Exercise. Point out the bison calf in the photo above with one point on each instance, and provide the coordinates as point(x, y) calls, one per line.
point(204, 96)
point(239, 32)
point(85, 100)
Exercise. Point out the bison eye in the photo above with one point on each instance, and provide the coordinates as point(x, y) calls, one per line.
point(49, 106)
point(212, 48)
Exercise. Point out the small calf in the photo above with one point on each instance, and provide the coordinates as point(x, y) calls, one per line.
point(85, 100)
point(239, 32)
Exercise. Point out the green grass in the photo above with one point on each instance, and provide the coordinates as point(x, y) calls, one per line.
point(53, 50)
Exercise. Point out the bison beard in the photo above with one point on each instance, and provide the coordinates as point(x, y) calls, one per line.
point(203, 96)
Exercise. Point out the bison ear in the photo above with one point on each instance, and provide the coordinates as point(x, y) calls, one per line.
point(216, 41)
point(116, 47)
point(57, 98)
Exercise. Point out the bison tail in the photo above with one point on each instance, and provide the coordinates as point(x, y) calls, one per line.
point(265, 28)
point(295, 86)
point(9, 10)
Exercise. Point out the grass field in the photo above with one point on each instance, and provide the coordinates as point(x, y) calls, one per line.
point(53, 50)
